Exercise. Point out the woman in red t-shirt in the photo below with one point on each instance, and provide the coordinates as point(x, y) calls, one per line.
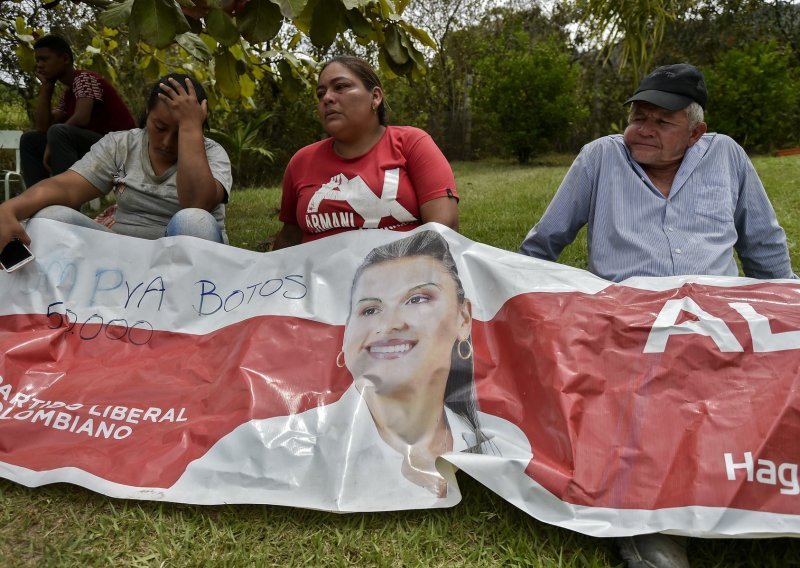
point(367, 174)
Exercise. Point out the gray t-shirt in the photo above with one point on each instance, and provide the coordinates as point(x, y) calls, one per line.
point(145, 202)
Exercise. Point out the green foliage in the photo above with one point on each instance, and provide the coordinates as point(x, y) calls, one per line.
point(244, 38)
point(294, 124)
point(12, 110)
point(262, 54)
point(532, 97)
point(754, 93)
point(157, 22)
point(327, 21)
point(444, 101)
point(240, 140)
point(706, 31)
point(632, 30)
point(227, 74)
point(260, 21)
point(220, 26)
point(602, 90)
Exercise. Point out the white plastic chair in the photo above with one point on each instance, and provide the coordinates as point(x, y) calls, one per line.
point(9, 140)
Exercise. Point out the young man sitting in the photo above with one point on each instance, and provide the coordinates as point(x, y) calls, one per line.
point(89, 108)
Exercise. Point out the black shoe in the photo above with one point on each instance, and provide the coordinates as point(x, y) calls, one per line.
point(654, 551)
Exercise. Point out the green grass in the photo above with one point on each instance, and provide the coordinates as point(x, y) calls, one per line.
point(62, 525)
point(781, 177)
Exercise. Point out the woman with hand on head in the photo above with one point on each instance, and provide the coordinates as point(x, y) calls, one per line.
point(168, 178)
point(367, 174)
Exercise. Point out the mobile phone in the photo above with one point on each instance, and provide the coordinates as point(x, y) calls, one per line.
point(14, 255)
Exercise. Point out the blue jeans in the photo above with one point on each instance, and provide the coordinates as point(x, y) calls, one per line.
point(190, 222)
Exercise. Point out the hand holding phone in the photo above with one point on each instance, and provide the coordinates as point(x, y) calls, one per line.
point(14, 255)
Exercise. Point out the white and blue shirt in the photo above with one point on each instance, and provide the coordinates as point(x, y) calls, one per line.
point(716, 205)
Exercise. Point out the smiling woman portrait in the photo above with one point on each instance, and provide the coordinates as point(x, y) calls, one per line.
point(168, 178)
point(367, 174)
point(407, 344)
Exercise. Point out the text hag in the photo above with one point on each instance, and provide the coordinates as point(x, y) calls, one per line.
point(764, 471)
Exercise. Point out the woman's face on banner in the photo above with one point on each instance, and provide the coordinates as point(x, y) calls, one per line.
point(404, 321)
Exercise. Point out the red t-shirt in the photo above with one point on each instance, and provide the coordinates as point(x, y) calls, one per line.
point(325, 194)
point(109, 112)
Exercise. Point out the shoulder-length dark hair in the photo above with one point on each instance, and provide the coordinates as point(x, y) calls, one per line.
point(460, 395)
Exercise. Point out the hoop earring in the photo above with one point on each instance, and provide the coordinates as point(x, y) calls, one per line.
point(338, 357)
point(469, 349)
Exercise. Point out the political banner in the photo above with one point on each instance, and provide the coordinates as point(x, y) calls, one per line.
point(361, 371)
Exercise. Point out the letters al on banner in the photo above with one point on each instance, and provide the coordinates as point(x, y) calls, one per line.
point(187, 371)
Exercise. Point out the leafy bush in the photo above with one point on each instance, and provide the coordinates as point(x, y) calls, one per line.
point(13, 115)
point(294, 123)
point(240, 140)
point(269, 136)
point(532, 97)
point(753, 96)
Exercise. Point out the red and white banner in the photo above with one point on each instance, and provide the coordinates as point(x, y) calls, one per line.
point(187, 371)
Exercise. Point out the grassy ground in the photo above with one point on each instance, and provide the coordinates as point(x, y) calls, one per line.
point(61, 525)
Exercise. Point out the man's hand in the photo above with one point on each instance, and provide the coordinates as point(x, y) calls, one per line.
point(43, 117)
point(48, 85)
point(182, 102)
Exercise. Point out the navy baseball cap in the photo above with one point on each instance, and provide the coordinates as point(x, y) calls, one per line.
point(673, 87)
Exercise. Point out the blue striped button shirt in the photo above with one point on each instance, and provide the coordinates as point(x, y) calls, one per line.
point(716, 204)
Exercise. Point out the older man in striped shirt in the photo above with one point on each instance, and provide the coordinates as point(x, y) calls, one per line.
point(666, 198)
